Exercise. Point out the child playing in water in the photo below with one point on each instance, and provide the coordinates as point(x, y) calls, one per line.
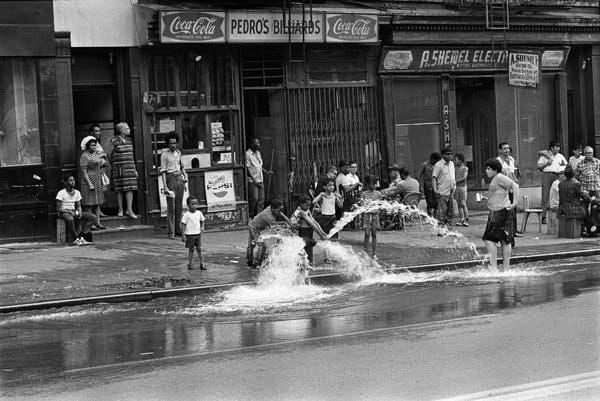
point(303, 218)
point(371, 219)
point(327, 200)
point(192, 225)
point(460, 194)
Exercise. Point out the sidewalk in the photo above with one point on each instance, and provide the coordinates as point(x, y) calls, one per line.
point(34, 273)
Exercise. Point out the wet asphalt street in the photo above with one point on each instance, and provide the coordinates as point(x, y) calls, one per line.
point(404, 336)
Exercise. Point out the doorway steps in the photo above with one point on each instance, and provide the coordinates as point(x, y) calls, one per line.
point(121, 228)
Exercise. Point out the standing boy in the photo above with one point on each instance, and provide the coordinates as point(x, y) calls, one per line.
point(307, 225)
point(371, 218)
point(460, 195)
point(192, 225)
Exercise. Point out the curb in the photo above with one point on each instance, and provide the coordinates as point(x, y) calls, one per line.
point(323, 278)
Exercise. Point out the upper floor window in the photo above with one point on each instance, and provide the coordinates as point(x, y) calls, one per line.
point(192, 80)
point(328, 65)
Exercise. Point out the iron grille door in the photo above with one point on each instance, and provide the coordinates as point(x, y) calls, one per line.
point(330, 124)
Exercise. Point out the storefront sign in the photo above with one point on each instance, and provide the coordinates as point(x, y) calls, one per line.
point(524, 68)
point(192, 26)
point(352, 28)
point(448, 59)
point(251, 26)
point(220, 192)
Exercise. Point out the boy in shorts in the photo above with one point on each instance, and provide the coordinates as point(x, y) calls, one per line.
point(461, 172)
point(192, 225)
point(371, 219)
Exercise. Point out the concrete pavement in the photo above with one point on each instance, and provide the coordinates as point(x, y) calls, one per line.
point(41, 275)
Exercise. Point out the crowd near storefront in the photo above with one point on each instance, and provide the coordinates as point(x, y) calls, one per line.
point(376, 83)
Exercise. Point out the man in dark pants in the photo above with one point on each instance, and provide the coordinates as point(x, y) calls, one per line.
point(256, 185)
point(174, 179)
point(269, 217)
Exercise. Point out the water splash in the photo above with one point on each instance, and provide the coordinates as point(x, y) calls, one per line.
point(351, 263)
point(410, 213)
point(286, 263)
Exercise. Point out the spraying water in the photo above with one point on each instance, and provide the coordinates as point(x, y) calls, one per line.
point(410, 213)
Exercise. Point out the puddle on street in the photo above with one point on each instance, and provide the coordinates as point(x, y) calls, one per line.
point(39, 345)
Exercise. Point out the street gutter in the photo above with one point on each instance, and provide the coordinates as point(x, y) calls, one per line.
point(320, 278)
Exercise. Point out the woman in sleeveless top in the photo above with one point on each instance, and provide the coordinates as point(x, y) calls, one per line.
point(124, 175)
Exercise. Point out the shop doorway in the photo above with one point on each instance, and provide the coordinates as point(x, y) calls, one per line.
point(264, 118)
point(95, 101)
point(476, 125)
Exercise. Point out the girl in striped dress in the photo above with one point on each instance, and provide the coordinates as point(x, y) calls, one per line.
point(124, 175)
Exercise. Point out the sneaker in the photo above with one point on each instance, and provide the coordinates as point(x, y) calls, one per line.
point(466, 222)
point(202, 267)
point(190, 267)
point(77, 242)
point(84, 242)
point(518, 234)
point(375, 258)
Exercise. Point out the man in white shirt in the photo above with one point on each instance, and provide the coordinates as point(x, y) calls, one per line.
point(552, 163)
point(510, 170)
point(444, 184)
point(68, 208)
point(256, 185)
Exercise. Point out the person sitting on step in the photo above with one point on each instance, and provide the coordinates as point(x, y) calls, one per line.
point(68, 207)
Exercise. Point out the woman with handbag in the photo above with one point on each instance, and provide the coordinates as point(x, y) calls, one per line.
point(96, 131)
point(91, 169)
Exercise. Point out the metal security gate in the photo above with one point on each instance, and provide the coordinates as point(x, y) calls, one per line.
point(329, 124)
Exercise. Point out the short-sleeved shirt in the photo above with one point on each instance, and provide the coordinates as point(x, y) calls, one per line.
point(193, 222)
point(254, 164)
point(341, 181)
point(588, 174)
point(444, 173)
point(553, 199)
point(574, 161)
point(68, 199)
point(263, 220)
point(170, 161)
point(498, 192)
point(557, 164)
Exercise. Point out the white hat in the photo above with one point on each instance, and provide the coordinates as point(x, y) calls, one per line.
point(85, 140)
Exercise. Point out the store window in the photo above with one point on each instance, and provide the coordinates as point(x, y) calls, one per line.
point(527, 120)
point(192, 80)
point(19, 120)
point(197, 100)
point(416, 119)
point(327, 65)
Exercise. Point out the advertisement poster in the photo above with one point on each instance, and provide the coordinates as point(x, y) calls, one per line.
point(220, 192)
point(524, 68)
point(192, 26)
point(352, 28)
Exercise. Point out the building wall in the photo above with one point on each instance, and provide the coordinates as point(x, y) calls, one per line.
point(29, 131)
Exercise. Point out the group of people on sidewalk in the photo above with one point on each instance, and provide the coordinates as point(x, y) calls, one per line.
point(98, 171)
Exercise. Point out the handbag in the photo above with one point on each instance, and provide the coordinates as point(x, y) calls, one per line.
point(105, 180)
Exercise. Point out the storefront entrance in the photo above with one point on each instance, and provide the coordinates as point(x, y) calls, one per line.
point(476, 124)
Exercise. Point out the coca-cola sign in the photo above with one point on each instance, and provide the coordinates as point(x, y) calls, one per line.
point(352, 28)
point(192, 26)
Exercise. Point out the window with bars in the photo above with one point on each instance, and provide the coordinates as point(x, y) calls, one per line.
point(327, 65)
point(192, 80)
point(196, 98)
